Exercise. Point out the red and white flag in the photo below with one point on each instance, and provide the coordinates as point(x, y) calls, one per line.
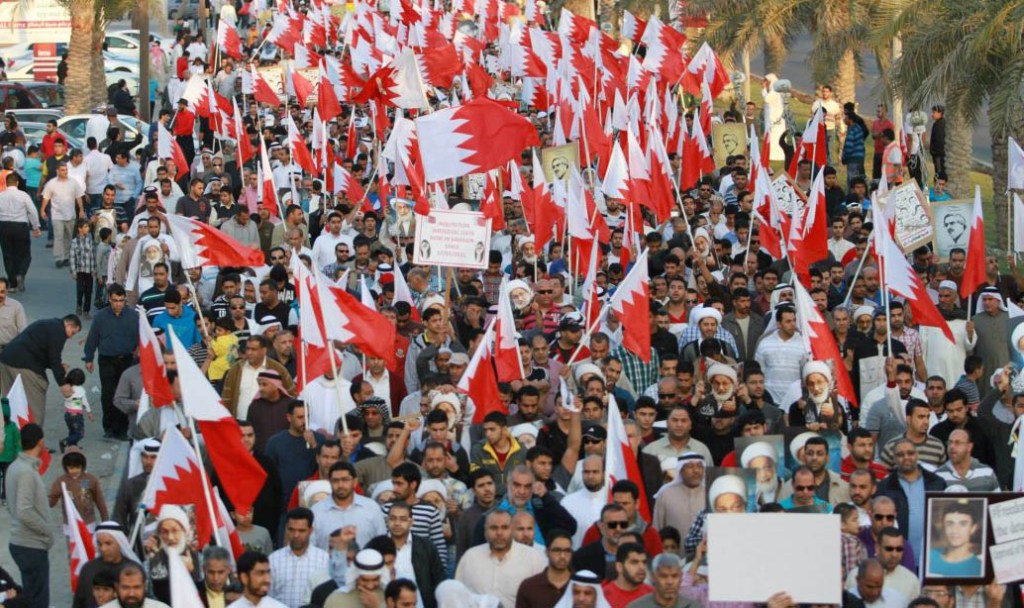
point(242, 475)
point(245, 148)
point(472, 138)
point(347, 320)
point(80, 545)
point(21, 414)
point(268, 191)
point(228, 40)
point(201, 244)
point(767, 210)
point(632, 27)
point(974, 269)
point(808, 237)
point(167, 147)
point(1015, 170)
point(151, 365)
point(177, 478)
point(705, 68)
point(506, 344)
point(297, 145)
point(901, 279)
point(262, 91)
point(664, 56)
point(184, 593)
point(344, 182)
point(621, 463)
point(819, 341)
point(312, 356)
point(591, 301)
point(631, 304)
point(479, 381)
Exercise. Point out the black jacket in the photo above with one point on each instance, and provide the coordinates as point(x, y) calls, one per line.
point(592, 557)
point(547, 512)
point(890, 486)
point(427, 567)
point(38, 348)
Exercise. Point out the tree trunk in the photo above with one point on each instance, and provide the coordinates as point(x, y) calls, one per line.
point(845, 79)
point(98, 74)
point(78, 85)
point(774, 54)
point(999, 168)
point(958, 156)
point(583, 8)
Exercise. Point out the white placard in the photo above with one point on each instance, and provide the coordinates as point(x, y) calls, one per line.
point(913, 216)
point(453, 238)
point(1007, 520)
point(1008, 561)
point(790, 199)
point(764, 547)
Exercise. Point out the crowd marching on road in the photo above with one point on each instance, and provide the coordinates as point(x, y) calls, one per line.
point(392, 309)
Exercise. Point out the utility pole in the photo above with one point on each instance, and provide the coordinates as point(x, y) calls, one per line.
point(144, 75)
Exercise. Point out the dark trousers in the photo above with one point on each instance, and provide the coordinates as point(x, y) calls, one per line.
point(3, 480)
point(76, 427)
point(17, 248)
point(940, 163)
point(876, 165)
point(83, 291)
point(34, 565)
point(114, 420)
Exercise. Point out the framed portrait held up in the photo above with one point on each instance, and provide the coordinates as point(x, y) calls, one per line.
point(952, 226)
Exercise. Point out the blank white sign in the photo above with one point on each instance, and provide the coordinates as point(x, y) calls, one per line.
point(752, 556)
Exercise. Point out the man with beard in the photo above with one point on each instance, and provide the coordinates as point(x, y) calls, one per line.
point(886, 419)
point(763, 458)
point(828, 485)
point(725, 395)
point(861, 444)
point(584, 591)
point(113, 553)
point(907, 486)
point(818, 411)
point(295, 564)
point(781, 354)
point(667, 576)
point(500, 566)
point(963, 470)
point(254, 574)
point(942, 358)
point(626, 494)
point(677, 440)
point(862, 488)
point(126, 505)
point(631, 572)
point(869, 355)
point(928, 448)
point(172, 535)
point(958, 417)
point(585, 504)
point(131, 589)
point(545, 589)
point(678, 502)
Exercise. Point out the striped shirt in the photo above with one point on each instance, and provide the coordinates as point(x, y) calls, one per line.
point(931, 453)
point(979, 477)
point(290, 583)
point(781, 360)
point(427, 523)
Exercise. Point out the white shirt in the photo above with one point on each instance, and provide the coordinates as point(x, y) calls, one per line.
point(323, 248)
point(483, 573)
point(16, 206)
point(363, 513)
point(381, 387)
point(782, 361)
point(290, 574)
point(248, 387)
point(585, 507)
point(97, 165)
point(79, 173)
point(322, 405)
point(243, 602)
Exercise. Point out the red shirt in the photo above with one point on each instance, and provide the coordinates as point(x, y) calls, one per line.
point(846, 467)
point(46, 147)
point(619, 598)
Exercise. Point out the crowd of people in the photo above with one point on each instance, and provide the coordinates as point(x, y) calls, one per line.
point(391, 478)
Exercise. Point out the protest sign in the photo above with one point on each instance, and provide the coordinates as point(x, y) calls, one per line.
point(453, 238)
point(765, 546)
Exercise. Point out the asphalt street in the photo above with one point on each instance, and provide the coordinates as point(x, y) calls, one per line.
point(51, 293)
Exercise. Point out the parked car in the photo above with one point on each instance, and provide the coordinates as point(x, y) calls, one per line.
point(76, 126)
point(50, 94)
point(17, 55)
point(14, 95)
point(42, 115)
point(166, 43)
point(34, 132)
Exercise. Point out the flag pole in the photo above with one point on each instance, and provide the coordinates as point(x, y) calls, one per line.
point(586, 335)
point(860, 266)
point(205, 479)
point(337, 385)
point(885, 298)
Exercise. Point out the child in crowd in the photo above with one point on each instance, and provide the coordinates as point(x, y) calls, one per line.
point(9, 448)
point(224, 351)
point(76, 407)
point(103, 249)
point(83, 487)
point(973, 368)
point(854, 551)
point(253, 537)
point(103, 583)
point(83, 266)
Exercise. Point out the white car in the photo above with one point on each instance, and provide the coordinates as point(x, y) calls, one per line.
point(166, 43)
point(77, 126)
point(25, 70)
point(19, 55)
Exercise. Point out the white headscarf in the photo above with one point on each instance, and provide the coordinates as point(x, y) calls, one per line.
point(113, 529)
point(453, 594)
point(684, 459)
point(587, 579)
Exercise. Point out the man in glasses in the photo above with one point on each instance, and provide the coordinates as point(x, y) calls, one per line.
point(599, 556)
point(898, 579)
point(906, 486)
point(883, 515)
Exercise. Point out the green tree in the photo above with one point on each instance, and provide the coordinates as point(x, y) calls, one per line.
point(969, 54)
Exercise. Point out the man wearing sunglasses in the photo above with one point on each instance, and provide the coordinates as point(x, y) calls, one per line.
point(599, 556)
point(898, 578)
point(883, 515)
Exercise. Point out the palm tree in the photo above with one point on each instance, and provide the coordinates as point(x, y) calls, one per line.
point(86, 83)
point(968, 52)
point(837, 27)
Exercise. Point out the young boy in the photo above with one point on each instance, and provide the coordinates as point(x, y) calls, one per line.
point(103, 587)
point(76, 407)
point(973, 368)
point(853, 549)
point(83, 487)
point(83, 267)
point(223, 350)
point(253, 537)
point(103, 249)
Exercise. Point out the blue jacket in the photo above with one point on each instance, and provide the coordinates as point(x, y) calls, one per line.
point(184, 326)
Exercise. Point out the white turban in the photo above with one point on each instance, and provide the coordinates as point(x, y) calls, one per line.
point(817, 367)
point(586, 368)
point(719, 369)
point(175, 513)
point(727, 484)
point(524, 429)
point(863, 310)
point(320, 486)
point(757, 450)
point(947, 284)
point(798, 443)
point(702, 312)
